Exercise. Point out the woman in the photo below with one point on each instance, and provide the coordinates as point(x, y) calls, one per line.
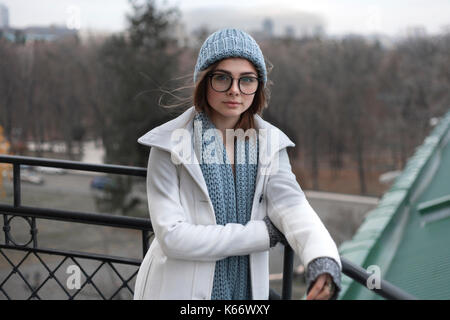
point(219, 199)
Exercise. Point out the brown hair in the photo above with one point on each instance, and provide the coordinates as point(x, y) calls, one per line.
point(200, 101)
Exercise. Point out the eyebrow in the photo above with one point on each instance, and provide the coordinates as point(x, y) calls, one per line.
point(228, 72)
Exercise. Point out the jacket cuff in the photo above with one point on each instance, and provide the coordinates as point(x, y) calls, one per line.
point(320, 266)
point(274, 234)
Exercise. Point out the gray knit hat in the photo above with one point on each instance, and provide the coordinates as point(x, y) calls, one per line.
point(227, 43)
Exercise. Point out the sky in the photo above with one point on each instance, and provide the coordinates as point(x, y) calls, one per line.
point(390, 17)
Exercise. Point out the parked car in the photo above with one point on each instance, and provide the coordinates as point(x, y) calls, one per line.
point(136, 199)
point(112, 197)
point(31, 177)
point(103, 183)
point(50, 170)
point(103, 187)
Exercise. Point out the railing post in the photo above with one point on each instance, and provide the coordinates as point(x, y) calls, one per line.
point(145, 238)
point(34, 232)
point(16, 180)
point(288, 268)
point(6, 228)
point(18, 203)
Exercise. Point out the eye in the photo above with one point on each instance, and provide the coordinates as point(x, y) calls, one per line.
point(221, 77)
point(248, 79)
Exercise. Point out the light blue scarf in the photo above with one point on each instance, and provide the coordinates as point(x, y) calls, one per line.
point(232, 199)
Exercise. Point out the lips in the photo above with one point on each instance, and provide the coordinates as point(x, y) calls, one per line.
point(232, 103)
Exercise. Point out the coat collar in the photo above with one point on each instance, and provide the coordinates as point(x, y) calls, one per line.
point(163, 137)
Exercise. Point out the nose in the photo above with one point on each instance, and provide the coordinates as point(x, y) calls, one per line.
point(234, 89)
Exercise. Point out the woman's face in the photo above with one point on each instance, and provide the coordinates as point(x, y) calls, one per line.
point(223, 112)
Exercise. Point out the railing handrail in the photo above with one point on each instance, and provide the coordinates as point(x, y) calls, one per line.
point(80, 217)
point(74, 165)
point(357, 273)
point(386, 289)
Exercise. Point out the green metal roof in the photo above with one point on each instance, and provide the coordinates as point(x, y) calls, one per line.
point(408, 234)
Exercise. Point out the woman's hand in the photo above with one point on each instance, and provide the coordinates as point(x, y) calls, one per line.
point(323, 288)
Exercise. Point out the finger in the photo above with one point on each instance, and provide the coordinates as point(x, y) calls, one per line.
point(324, 294)
point(317, 287)
point(327, 291)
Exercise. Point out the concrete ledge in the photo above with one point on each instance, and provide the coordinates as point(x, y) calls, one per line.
point(341, 197)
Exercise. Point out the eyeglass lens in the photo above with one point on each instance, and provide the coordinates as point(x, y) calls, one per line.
point(223, 82)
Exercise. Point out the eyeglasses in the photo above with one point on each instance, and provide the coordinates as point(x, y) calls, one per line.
point(221, 82)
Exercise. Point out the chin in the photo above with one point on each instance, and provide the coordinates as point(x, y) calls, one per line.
point(232, 113)
point(225, 110)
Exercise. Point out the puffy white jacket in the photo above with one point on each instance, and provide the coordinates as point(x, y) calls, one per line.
point(181, 260)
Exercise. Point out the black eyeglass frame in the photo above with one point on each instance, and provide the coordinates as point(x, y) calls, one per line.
point(210, 76)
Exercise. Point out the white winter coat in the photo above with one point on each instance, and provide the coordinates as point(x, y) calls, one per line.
point(181, 260)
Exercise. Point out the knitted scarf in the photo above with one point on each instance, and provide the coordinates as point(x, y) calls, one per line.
point(232, 199)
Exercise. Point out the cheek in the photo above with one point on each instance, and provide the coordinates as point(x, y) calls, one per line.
point(212, 96)
point(248, 100)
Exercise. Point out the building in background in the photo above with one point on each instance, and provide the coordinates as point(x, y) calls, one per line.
point(50, 33)
point(4, 17)
point(37, 33)
point(32, 33)
point(267, 27)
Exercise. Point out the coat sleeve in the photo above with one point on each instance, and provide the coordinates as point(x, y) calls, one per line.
point(291, 213)
point(181, 239)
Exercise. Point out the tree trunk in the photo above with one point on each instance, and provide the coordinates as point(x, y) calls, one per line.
point(359, 154)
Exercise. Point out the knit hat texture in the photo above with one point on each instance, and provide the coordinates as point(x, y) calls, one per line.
point(227, 43)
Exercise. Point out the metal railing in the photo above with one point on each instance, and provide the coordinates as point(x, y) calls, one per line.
point(30, 214)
